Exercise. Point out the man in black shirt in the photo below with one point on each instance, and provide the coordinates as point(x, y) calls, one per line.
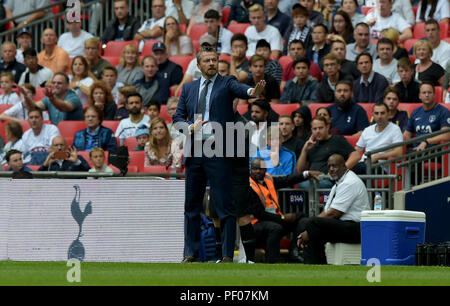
point(169, 73)
point(331, 66)
point(290, 142)
point(320, 146)
point(124, 26)
point(8, 61)
point(408, 88)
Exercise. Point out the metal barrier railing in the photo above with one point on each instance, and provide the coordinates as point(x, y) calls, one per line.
point(52, 20)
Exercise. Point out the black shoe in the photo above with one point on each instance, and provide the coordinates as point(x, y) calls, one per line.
point(190, 259)
point(294, 256)
point(226, 259)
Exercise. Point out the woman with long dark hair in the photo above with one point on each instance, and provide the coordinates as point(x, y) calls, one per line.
point(342, 26)
point(302, 121)
point(438, 10)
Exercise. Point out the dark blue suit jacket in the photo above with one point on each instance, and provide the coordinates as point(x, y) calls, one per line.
point(224, 91)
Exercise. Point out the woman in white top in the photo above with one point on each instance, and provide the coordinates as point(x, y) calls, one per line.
point(176, 42)
point(129, 68)
point(81, 78)
point(438, 10)
point(351, 7)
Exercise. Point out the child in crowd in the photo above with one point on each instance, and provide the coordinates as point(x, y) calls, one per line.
point(142, 136)
point(97, 157)
point(122, 112)
point(154, 109)
point(7, 83)
point(24, 40)
point(109, 76)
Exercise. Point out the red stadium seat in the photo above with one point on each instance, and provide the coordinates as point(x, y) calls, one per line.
point(412, 58)
point(113, 60)
point(447, 105)
point(85, 155)
point(111, 124)
point(182, 60)
point(415, 10)
point(285, 61)
point(282, 109)
point(352, 139)
point(69, 141)
point(148, 45)
point(409, 107)
point(238, 27)
point(438, 94)
point(40, 93)
point(197, 31)
point(409, 43)
point(183, 28)
point(9, 26)
point(242, 108)
point(131, 143)
point(447, 39)
point(366, 9)
point(4, 107)
point(225, 15)
point(163, 114)
point(313, 107)
point(68, 128)
point(115, 48)
point(368, 107)
point(131, 169)
point(137, 158)
point(25, 125)
point(225, 58)
point(154, 169)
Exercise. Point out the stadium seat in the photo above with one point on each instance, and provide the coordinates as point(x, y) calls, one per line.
point(365, 9)
point(285, 61)
point(374, 41)
point(4, 107)
point(313, 107)
point(137, 158)
point(196, 44)
point(9, 26)
point(131, 143)
point(197, 31)
point(447, 105)
point(155, 169)
point(25, 125)
point(351, 139)
point(40, 93)
point(412, 58)
point(238, 27)
point(447, 39)
point(69, 141)
point(368, 107)
point(85, 155)
point(225, 58)
point(114, 48)
point(182, 60)
point(409, 43)
point(415, 10)
point(409, 107)
point(183, 28)
point(68, 128)
point(282, 109)
point(148, 45)
point(34, 168)
point(111, 124)
point(225, 15)
point(438, 94)
point(163, 114)
point(242, 108)
point(113, 60)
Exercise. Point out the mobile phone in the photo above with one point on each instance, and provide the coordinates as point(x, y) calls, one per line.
point(61, 155)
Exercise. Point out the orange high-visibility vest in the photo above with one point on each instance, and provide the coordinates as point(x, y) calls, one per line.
point(268, 196)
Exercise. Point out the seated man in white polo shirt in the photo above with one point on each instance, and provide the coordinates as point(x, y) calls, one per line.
point(340, 220)
point(260, 30)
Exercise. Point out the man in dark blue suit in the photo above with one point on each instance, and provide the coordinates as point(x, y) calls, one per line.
point(204, 106)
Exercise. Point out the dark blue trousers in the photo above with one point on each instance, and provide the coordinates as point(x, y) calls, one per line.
point(216, 170)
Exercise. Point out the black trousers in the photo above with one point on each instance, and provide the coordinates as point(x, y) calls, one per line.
point(323, 230)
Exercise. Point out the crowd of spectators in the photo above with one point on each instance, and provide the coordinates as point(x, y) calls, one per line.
point(307, 53)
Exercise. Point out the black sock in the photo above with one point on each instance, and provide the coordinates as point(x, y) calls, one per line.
point(248, 240)
point(218, 242)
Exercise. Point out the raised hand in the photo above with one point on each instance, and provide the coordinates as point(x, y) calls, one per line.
point(258, 89)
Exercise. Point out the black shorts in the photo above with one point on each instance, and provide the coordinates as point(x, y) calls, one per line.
point(241, 188)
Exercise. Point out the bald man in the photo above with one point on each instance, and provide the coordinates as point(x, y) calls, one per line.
point(8, 61)
point(53, 57)
point(62, 159)
point(340, 220)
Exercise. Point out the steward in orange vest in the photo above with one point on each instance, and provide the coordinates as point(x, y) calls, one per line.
point(269, 222)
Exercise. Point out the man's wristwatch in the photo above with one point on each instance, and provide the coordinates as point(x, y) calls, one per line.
point(179, 8)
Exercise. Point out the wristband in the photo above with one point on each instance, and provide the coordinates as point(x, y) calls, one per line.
point(426, 141)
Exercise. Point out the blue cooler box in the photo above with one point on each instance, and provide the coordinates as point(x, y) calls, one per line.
point(391, 236)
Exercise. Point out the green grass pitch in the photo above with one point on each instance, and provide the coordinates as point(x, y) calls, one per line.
point(210, 274)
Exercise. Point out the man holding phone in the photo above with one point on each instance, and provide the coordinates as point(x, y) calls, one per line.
point(61, 159)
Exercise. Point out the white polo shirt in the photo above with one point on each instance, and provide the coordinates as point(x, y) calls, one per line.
point(349, 195)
